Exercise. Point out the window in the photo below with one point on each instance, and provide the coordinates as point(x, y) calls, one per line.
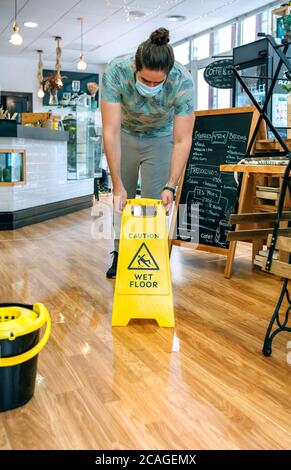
point(224, 39)
point(202, 91)
point(201, 47)
point(182, 53)
point(220, 40)
point(249, 30)
point(223, 98)
point(264, 22)
point(219, 98)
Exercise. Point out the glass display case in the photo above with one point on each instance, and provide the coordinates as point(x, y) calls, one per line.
point(256, 63)
point(255, 79)
point(12, 167)
point(98, 151)
point(80, 124)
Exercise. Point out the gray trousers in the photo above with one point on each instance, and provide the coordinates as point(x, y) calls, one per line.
point(152, 156)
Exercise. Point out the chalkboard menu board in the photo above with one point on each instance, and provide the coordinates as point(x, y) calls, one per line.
point(207, 196)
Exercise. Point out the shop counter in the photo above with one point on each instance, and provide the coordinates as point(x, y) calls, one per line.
point(34, 184)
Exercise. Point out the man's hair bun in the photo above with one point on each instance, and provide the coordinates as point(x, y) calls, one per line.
point(156, 53)
point(160, 37)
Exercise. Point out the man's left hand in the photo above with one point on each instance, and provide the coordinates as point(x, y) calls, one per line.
point(167, 200)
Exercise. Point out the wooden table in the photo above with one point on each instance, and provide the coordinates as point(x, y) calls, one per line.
point(255, 169)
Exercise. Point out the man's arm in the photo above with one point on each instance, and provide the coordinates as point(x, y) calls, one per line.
point(183, 128)
point(111, 123)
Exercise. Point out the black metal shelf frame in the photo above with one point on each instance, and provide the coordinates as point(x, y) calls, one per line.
point(281, 50)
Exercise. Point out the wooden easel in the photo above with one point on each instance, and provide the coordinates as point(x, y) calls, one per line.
point(230, 251)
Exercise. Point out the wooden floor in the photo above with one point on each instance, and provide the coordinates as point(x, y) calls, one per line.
point(205, 385)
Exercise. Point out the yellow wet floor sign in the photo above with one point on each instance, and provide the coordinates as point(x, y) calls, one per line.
point(143, 286)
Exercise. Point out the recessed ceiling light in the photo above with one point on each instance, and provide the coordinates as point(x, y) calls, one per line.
point(30, 24)
point(176, 18)
point(136, 14)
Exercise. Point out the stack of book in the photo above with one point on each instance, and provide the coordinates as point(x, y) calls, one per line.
point(268, 193)
point(265, 161)
point(258, 261)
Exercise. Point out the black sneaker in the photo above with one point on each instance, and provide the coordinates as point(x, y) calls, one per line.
point(111, 273)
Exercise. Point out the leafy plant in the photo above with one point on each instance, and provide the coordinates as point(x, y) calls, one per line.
point(286, 86)
point(52, 83)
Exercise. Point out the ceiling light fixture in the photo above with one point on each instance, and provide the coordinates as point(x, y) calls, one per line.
point(30, 24)
point(40, 92)
point(81, 64)
point(16, 38)
point(59, 80)
point(176, 18)
point(136, 14)
point(53, 83)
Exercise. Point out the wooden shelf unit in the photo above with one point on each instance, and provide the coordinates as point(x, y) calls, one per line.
point(252, 230)
point(277, 13)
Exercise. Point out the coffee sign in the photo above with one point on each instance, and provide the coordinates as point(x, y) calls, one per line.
point(219, 74)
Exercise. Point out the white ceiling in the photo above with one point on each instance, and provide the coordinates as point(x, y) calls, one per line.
point(107, 31)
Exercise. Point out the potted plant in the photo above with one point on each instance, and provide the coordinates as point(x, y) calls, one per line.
point(52, 84)
point(93, 88)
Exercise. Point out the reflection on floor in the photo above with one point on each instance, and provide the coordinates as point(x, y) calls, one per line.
point(204, 385)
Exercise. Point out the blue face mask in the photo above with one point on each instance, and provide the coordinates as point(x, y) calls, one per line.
point(148, 91)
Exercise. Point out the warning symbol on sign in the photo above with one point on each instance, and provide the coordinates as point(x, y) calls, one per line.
point(143, 260)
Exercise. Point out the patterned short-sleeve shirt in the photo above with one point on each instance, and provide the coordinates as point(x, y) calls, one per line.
point(148, 116)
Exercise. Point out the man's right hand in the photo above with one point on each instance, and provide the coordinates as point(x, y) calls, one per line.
point(119, 198)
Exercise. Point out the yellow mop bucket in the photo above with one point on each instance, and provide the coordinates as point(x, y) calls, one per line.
point(143, 287)
point(19, 348)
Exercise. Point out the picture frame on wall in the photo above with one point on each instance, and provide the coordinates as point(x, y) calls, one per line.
point(16, 102)
point(75, 84)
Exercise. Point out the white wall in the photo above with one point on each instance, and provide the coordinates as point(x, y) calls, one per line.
point(21, 75)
